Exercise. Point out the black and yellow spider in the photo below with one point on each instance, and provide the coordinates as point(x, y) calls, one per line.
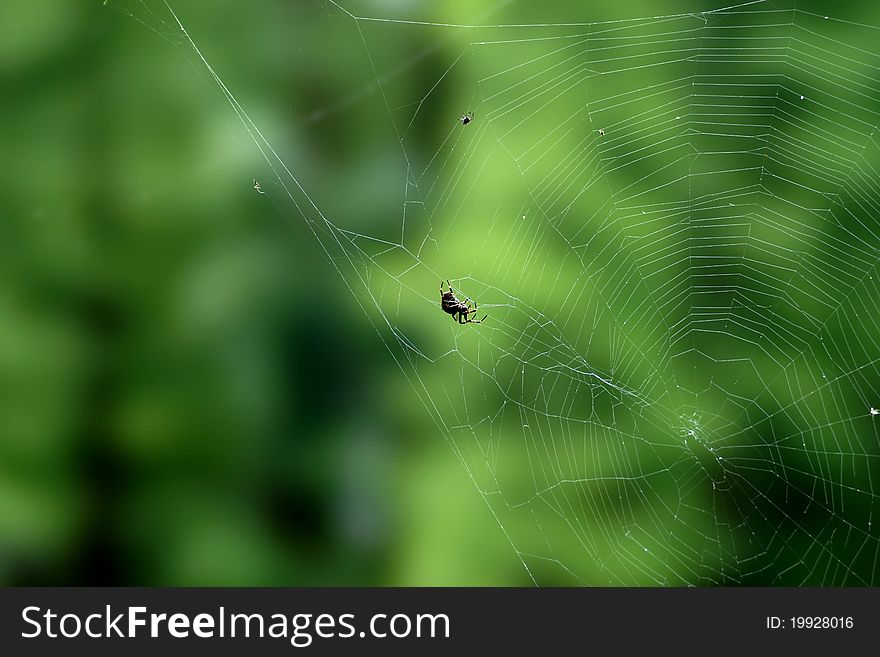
point(460, 309)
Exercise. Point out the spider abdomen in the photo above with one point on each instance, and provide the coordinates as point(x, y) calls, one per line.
point(449, 303)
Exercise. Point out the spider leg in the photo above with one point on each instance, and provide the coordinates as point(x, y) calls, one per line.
point(474, 321)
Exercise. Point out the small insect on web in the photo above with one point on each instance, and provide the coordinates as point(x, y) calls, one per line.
point(258, 186)
point(460, 309)
point(466, 118)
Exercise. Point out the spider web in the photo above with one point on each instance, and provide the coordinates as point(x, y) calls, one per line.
point(671, 223)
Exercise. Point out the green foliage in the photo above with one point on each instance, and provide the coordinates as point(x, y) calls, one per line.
point(201, 384)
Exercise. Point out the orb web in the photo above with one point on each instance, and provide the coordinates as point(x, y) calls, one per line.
point(671, 223)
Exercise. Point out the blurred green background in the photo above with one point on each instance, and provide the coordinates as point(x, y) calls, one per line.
point(190, 394)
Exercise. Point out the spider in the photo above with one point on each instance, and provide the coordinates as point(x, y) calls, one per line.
point(258, 186)
point(450, 304)
point(466, 118)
